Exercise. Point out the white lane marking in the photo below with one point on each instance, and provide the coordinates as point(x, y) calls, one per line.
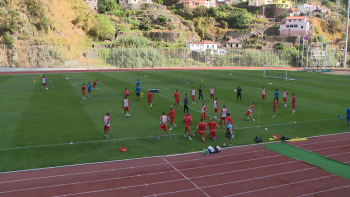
point(185, 176)
point(325, 190)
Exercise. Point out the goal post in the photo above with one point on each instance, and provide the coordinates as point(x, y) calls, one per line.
point(278, 72)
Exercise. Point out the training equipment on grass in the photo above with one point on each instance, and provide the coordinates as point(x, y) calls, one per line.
point(277, 72)
point(342, 117)
point(153, 90)
point(123, 149)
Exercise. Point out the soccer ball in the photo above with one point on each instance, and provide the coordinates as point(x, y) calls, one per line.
point(97, 88)
point(235, 90)
point(47, 88)
point(50, 81)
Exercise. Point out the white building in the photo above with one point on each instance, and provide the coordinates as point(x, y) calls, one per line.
point(294, 26)
point(259, 2)
point(308, 8)
point(92, 3)
point(202, 46)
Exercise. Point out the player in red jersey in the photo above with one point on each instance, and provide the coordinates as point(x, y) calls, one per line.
point(212, 93)
point(83, 89)
point(126, 92)
point(201, 129)
point(212, 132)
point(229, 118)
point(274, 107)
point(187, 121)
point(223, 115)
point(44, 82)
point(94, 84)
point(264, 94)
point(285, 96)
point(107, 124)
point(176, 98)
point(250, 112)
point(126, 106)
point(149, 98)
point(193, 95)
point(172, 117)
point(204, 112)
point(216, 107)
point(163, 121)
point(293, 103)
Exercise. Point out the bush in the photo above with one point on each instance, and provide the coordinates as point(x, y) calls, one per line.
point(201, 11)
point(224, 24)
point(162, 19)
point(283, 16)
point(171, 27)
point(107, 5)
point(213, 12)
point(208, 36)
point(238, 20)
point(7, 39)
point(103, 28)
point(160, 2)
point(36, 9)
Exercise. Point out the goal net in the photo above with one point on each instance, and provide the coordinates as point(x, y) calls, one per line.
point(278, 72)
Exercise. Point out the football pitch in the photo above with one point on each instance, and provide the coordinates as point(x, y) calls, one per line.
point(37, 126)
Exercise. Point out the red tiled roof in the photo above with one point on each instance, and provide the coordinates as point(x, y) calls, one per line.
point(295, 17)
point(234, 41)
point(283, 23)
point(295, 9)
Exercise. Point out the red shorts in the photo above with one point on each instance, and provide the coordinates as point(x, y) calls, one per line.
point(94, 86)
point(163, 126)
point(44, 84)
point(187, 128)
point(248, 113)
point(204, 116)
point(106, 128)
point(274, 109)
point(84, 92)
point(177, 101)
point(150, 100)
point(126, 108)
point(285, 99)
point(263, 96)
point(216, 110)
point(193, 97)
point(212, 134)
point(223, 118)
point(126, 95)
point(202, 133)
point(172, 119)
point(293, 105)
point(211, 95)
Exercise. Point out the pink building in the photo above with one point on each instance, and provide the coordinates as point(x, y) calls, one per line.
point(294, 26)
point(196, 3)
point(92, 4)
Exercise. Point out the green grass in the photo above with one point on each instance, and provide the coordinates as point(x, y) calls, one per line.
point(31, 116)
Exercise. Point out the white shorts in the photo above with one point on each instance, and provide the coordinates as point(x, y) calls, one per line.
point(233, 136)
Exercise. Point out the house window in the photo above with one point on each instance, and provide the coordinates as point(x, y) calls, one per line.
point(302, 27)
point(295, 25)
point(290, 20)
point(291, 26)
point(299, 20)
point(287, 25)
point(207, 46)
point(213, 46)
point(197, 3)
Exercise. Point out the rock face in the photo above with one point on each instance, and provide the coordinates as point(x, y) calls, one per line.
point(163, 36)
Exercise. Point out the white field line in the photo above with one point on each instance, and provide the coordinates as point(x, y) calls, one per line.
point(161, 95)
point(109, 140)
point(157, 164)
point(186, 176)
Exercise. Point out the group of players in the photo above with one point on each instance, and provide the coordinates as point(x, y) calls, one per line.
point(90, 87)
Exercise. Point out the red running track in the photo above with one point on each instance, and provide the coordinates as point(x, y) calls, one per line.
point(336, 146)
point(240, 171)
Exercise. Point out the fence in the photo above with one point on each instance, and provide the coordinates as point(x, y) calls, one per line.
point(43, 56)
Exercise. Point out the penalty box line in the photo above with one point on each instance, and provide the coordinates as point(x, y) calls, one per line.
point(109, 140)
point(164, 97)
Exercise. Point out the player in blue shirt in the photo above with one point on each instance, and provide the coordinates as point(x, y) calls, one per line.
point(138, 91)
point(89, 86)
point(229, 133)
point(137, 83)
point(348, 115)
point(277, 95)
point(200, 91)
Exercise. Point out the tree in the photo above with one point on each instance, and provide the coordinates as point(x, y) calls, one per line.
point(224, 24)
point(107, 5)
point(238, 20)
point(201, 11)
point(187, 11)
point(162, 19)
point(213, 12)
point(283, 16)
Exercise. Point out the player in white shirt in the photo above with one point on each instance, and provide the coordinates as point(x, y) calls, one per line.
point(212, 93)
point(107, 124)
point(264, 94)
point(163, 121)
point(126, 106)
point(216, 107)
point(250, 112)
point(285, 96)
point(223, 115)
point(193, 95)
point(44, 82)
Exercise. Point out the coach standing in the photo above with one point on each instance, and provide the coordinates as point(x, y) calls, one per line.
point(239, 92)
point(185, 104)
point(200, 91)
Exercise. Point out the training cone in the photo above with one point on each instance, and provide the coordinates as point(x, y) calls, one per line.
point(36, 77)
point(196, 75)
point(105, 83)
point(34, 81)
point(202, 79)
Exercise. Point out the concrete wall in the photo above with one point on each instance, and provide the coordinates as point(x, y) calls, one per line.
point(290, 39)
point(270, 12)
